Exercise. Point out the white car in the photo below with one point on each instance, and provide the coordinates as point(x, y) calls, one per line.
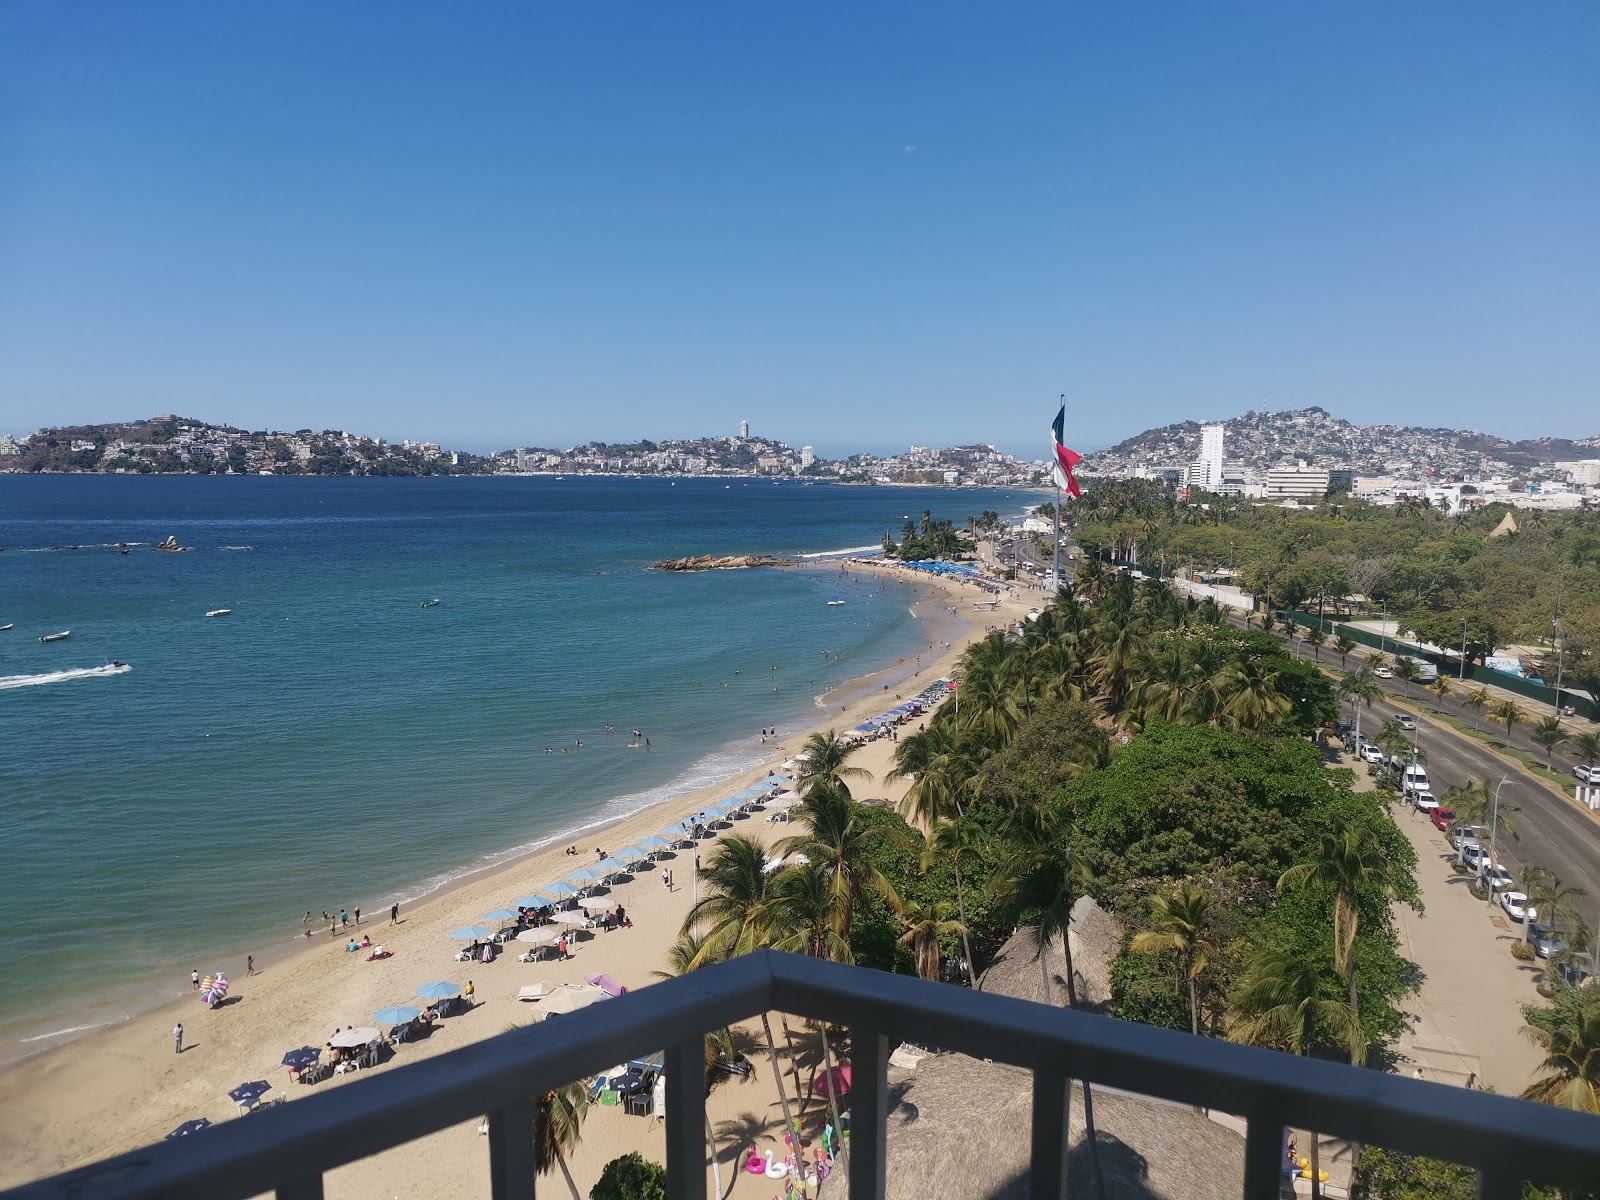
point(1517, 906)
point(1475, 854)
point(1586, 774)
point(1498, 878)
point(1424, 801)
point(1405, 720)
point(1383, 672)
point(1371, 753)
point(1465, 834)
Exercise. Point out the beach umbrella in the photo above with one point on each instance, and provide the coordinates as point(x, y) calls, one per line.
point(597, 903)
point(610, 866)
point(559, 889)
point(631, 854)
point(583, 875)
point(571, 999)
point(655, 843)
point(250, 1093)
point(653, 1061)
point(532, 902)
point(187, 1128)
point(835, 1081)
point(302, 1057)
point(501, 914)
point(213, 989)
point(439, 990)
point(350, 1038)
point(471, 933)
point(569, 918)
point(539, 937)
point(399, 1014)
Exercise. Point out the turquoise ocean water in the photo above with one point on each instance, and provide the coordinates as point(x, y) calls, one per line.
point(333, 743)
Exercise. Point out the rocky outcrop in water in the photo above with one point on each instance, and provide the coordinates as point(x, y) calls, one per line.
point(729, 562)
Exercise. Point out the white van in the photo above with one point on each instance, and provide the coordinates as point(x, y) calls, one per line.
point(1415, 779)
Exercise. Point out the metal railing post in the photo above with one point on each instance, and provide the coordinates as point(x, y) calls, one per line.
point(1503, 1181)
point(685, 1070)
point(309, 1188)
point(869, 1113)
point(1052, 1101)
point(1263, 1159)
point(512, 1162)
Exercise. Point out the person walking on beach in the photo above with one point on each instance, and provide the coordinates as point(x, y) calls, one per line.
point(177, 1037)
point(561, 945)
point(394, 914)
point(358, 916)
point(469, 991)
point(194, 979)
point(344, 918)
point(249, 964)
point(306, 920)
point(666, 878)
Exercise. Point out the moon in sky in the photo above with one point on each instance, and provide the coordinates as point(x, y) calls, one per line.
point(909, 150)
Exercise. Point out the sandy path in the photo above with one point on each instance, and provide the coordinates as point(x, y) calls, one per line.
point(124, 1087)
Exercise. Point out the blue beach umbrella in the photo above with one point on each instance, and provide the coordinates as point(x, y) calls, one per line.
point(631, 854)
point(500, 914)
point(583, 875)
point(250, 1093)
point(471, 933)
point(609, 866)
point(302, 1057)
point(559, 889)
point(655, 843)
point(439, 990)
point(399, 1014)
point(778, 780)
point(532, 902)
point(187, 1128)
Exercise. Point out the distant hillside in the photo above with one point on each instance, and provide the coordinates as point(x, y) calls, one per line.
point(1259, 440)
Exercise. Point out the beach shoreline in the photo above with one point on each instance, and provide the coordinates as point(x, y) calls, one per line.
point(43, 1095)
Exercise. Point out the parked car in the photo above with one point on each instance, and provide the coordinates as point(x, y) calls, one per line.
point(1497, 877)
point(1573, 975)
point(1441, 818)
point(1517, 906)
point(1423, 801)
point(1414, 779)
point(1545, 943)
point(1463, 834)
point(1383, 672)
point(1475, 855)
point(1405, 720)
point(1586, 774)
point(1371, 753)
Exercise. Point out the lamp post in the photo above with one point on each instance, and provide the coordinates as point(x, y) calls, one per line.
point(1463, 674)
point(1560, 643)
point(1383, 630)
point(1494, 826)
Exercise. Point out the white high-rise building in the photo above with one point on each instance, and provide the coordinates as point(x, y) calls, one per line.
point(807, 457)
point(744, 429)
point(1206, 472)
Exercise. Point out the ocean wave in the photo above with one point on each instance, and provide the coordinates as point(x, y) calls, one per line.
point(21, 681)
point(840, 553)
point(55, 1033)
point(708, 771)
point(235, 547)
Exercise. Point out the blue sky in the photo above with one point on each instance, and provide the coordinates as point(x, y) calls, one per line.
point(854, 225)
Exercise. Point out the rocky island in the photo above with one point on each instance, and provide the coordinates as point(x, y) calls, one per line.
point(710, 562)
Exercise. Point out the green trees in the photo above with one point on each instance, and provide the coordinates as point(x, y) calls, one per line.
point(1552, 898)
point(558, 1127)
point(631, 1177)
point(1250, 695)
point(1477, 700)
point(1587, 746)
point(1547, 735)
point(836, 843)
point(1279, 1003)
point(1568, 1031)
point(1343, 644)
point(824, 759)
point(1317, 637)
point(1347, 862)
point(1361, 689)
point(925, 924)
point(1180, 919)
point(1507, 711)
point(1406, 671)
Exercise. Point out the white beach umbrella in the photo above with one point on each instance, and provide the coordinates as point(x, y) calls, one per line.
point(569, 918)
point(597, 903)
point(543, 936)
point(570, 999)
point(355, 1037)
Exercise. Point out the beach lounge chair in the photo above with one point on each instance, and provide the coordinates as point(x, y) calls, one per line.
point(531, 991)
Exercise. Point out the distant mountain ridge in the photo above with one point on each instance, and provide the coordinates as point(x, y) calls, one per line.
point(1258, 441)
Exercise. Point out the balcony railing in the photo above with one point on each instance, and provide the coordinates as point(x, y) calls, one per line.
point(288, 1148)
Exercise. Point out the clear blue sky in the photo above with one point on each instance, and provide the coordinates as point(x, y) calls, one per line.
point(856, 225)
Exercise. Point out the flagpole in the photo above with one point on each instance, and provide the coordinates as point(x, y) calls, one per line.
point(1055, 566)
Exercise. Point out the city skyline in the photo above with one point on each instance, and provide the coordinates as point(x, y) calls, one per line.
point(570, 224)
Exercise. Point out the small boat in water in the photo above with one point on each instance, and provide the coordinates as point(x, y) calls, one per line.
point(56, 637)
point(434, 603)
point(835, 602)
point(219, 612)
point(3, 628)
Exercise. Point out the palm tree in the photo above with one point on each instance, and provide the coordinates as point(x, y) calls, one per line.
point(954, 841)
point(1473, 803)
point(1180, 921)
point(1477, 701)
point(825, 759)
point(1405, 670)
point(558, 1127)
point(1344, 643)
point(1552, 898)
point(935, 794)
point(837, 842)
point(1587, 748)
point(1317, 636)
point(924, 925)
point(1361, 688)
point(1349, 861)
point(1549, 734)
point(1250, 696)
point(1440, 687)
point(1569, 1034)
point(1507, 711)
point(682, 957)
point(732, 919)
point(1278, 1002)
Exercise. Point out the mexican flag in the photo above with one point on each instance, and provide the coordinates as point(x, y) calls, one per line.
point(1065, 459)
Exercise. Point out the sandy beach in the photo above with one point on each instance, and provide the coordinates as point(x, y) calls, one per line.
point(124, 1086)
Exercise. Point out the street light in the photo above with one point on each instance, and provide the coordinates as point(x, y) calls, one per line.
point(1463, 674)
point(1494, 828)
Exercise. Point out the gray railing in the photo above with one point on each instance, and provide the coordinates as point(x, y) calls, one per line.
point(287, 1149)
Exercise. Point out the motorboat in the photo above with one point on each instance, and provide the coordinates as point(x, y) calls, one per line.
point(835, 603)
point(56, 637)
point(434, 603)
point(3, 628)
point(219, 612)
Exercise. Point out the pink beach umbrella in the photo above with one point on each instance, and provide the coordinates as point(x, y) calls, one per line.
point(836, 1078)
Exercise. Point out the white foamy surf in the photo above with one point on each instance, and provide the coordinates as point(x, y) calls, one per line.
point(21, 681)
point(875, 547)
